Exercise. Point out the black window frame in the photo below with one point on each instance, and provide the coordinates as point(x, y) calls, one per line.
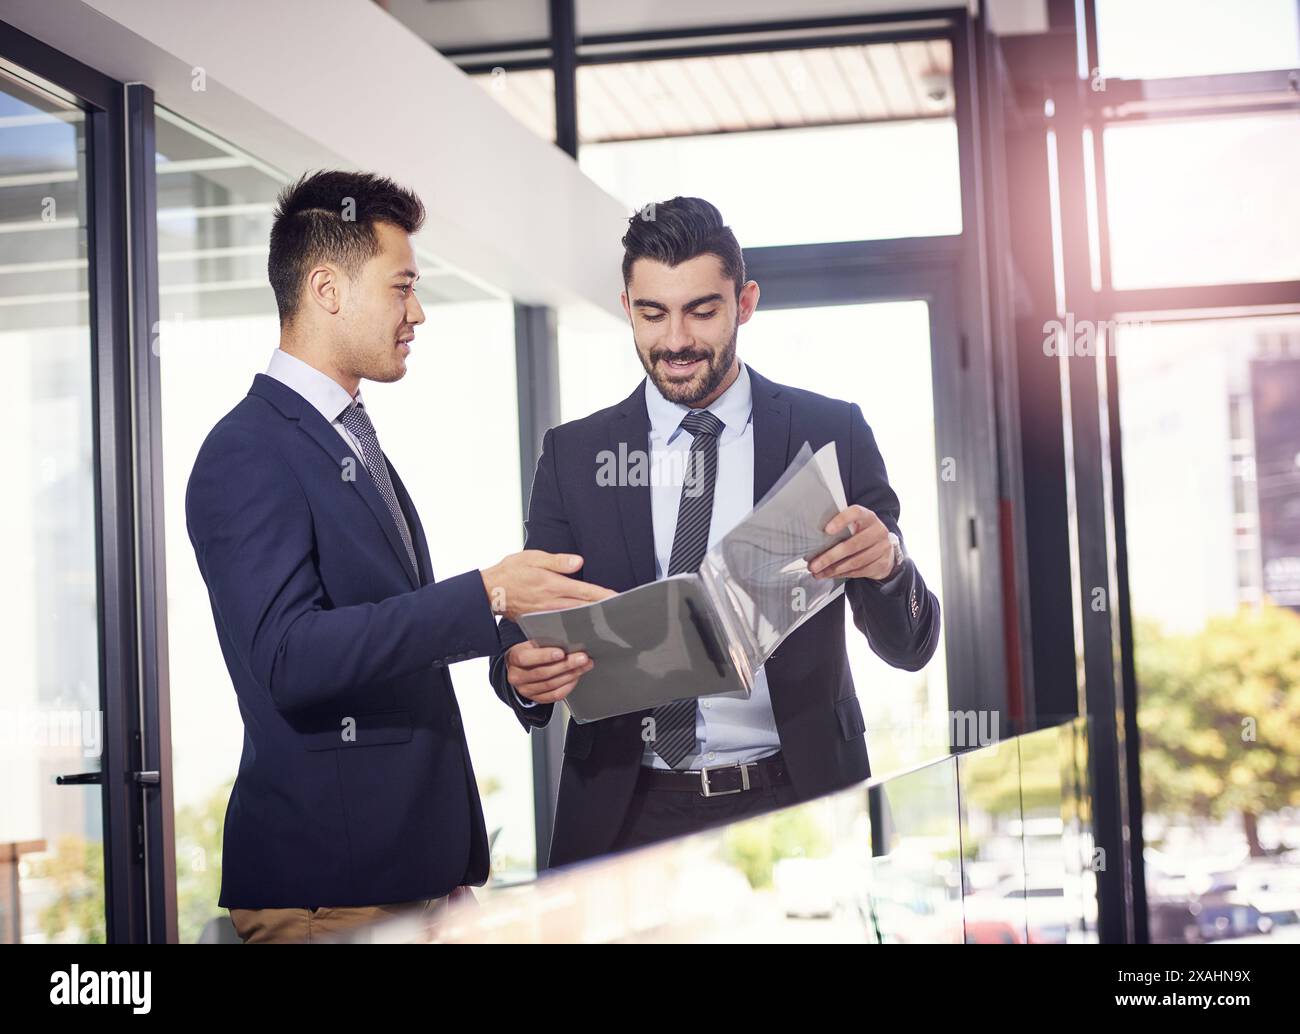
point(139, 896)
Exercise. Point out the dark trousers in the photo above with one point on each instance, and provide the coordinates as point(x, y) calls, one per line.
point(660, 814)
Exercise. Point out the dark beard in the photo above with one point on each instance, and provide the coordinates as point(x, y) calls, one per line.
point(718, 368)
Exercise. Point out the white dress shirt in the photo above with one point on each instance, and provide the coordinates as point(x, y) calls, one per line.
point(326, 395)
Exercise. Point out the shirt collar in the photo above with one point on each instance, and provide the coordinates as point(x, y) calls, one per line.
point(733, 407)
point(325, 394)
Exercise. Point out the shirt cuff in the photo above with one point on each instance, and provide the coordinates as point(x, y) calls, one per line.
point(522, 701)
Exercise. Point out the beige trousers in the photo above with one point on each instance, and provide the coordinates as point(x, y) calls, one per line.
point(321, 925)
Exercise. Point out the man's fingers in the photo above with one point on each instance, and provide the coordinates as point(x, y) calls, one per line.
point(854, 514)
point(564, 563)
point(557, 694)
point(520, 675)
point(859, 563)
point(539, 691)
point(593, 593)
point(571, 589)
point(529, 655)
point(849, 547)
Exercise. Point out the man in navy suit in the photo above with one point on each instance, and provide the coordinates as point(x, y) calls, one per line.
point(637, 778)
point(355, 797)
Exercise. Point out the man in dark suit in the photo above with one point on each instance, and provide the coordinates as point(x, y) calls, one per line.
point(355, 797)
point(637, 778)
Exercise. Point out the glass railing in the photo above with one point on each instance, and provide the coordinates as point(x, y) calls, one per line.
point(992, 845)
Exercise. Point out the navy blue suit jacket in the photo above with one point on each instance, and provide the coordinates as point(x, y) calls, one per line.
point(355, 785)
point(818, 717)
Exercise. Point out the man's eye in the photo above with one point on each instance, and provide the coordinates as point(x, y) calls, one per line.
point(707, 315)
point(652, 319)
point(404, 288)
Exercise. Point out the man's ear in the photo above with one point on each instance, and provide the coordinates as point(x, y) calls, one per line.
point(324, 288)
point(748, 302)
point(627, 308)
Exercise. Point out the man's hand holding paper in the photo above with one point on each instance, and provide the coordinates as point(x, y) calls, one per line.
point(545, 674)
point(707, 633)
point(869, 553)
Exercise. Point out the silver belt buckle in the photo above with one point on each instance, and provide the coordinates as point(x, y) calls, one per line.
point(744, 779)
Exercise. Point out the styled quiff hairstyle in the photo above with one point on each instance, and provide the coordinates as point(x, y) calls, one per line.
point(330, 216)
point(676, 231)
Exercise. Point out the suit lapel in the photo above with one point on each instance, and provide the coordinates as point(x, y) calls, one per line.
point(351, 469)
point(629, 436)
point(417, 529)
point(771, 433)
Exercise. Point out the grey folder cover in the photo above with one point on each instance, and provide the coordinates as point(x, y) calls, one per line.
point(708, 633)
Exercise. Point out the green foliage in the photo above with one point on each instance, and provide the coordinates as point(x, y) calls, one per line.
point(756, 846)
point(1219, 716)
point(75, 878)
point(199, 830)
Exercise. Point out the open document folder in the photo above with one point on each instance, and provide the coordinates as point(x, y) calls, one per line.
point(706, 634)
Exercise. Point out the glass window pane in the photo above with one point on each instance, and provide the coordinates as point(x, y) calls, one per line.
point(993, 852)
point(837, 350)
point(598, 362)
point(825, 144)
point(1153, 39)
point(916, 883)
point(799, 186)
point(1203, 201)
point(51, 837)
point(1216, 640)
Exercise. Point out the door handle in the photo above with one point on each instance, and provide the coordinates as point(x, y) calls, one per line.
point(79, 779)
point(151, 778)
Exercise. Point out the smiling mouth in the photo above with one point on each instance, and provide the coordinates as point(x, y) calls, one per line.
point(681, 366)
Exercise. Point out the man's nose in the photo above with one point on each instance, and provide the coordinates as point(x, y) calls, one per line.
point(414, 311)
point(679, 336)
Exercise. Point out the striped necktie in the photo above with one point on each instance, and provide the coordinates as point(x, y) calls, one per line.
point(674, 723)
point(357, 421)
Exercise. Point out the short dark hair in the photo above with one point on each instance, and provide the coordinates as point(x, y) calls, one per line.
point(331, 215)
point(676, 231)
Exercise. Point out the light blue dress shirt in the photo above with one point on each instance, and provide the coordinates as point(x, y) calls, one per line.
point(727, 730)
point(326, 395)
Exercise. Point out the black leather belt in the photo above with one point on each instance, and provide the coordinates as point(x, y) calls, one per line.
point(719, 779)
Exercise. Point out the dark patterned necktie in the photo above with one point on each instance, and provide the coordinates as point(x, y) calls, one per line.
point(356, 420)
point(674, 723)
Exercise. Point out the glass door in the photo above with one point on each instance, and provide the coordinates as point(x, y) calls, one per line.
point(52, 886)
